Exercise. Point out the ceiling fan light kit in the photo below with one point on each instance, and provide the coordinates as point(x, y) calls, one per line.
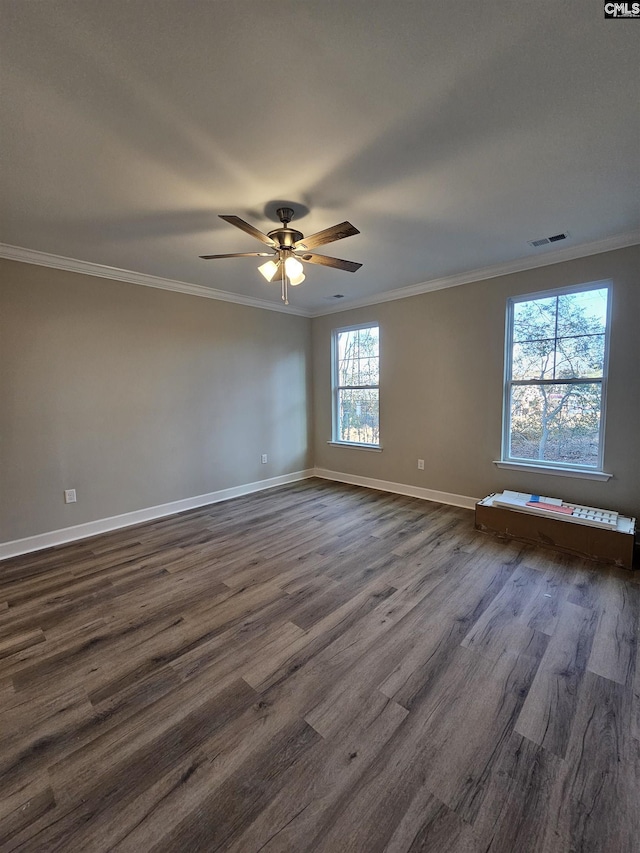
point(290, 248)
point(293, 267)
point(269, 269)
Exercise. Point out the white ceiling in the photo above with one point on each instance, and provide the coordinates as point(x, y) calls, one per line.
point(449, 134)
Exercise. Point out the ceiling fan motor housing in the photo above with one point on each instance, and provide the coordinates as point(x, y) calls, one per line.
point(285, 238)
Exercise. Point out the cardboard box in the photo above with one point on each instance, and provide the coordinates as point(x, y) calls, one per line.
point(594, 543)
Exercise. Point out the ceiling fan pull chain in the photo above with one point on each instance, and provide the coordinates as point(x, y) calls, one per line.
point(285, 294)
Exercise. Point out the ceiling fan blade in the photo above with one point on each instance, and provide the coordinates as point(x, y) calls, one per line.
point(240, 255)
point(336, 263)
point(329, 235)
point(249, 229)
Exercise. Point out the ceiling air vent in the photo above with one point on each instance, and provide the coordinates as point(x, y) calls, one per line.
point(543, 241)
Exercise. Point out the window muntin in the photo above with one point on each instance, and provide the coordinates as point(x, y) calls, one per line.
point(356, 385)
point(556, 368)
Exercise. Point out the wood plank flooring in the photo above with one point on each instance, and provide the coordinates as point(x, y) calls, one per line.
point(317, 668)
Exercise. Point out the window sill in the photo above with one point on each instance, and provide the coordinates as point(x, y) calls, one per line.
point(355, 446)
point(579, 473)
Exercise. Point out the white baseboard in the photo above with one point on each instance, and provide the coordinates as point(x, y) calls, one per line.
point(115, 522)
point(398, 488)
point(103, 525)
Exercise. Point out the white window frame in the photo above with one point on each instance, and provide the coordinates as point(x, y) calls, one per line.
point(508, 461)
point(336, 388)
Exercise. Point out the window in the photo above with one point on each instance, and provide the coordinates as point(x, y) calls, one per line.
point(556, 372)
point(356, 380)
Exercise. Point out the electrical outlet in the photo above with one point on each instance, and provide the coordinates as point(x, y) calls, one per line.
point(264, 458)
point(420, 464)
point(70, 496)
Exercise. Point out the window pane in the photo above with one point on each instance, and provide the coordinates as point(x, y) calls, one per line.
point(358, 357)
point(369, 371)
point(348, 372)
point(580, 358)
point(556, 423)
point(533, 360)
point(347, 344)
point(358, 371)
point(534, 320)
point(582, 313)
point(358, 415)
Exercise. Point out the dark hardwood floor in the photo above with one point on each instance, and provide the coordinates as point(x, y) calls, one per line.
point(317, 668)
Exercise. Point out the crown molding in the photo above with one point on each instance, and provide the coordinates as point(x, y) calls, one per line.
point(45, 259)
point(554, 256)
point(529, 262)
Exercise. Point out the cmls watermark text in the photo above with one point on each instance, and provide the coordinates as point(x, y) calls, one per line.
point(622, 10)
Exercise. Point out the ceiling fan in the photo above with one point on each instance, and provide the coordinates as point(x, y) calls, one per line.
point(290, 247)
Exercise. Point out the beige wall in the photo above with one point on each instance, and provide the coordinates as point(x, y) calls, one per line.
point(137, 397)
point(442, 361)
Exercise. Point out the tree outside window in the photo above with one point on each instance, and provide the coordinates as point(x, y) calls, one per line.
point(557, 347)
point(356, 385)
